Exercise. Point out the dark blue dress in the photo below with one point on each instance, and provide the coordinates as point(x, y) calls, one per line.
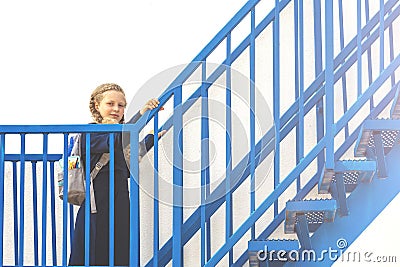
point(99, 222)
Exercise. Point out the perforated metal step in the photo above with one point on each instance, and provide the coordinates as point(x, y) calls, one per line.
point(387, 128)
point(317, 211)
point(353, 171)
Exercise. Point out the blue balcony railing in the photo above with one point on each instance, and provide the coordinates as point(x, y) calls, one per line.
point(36, 206)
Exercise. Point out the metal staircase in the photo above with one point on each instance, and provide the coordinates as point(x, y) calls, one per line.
point(375, 141)
point(340, 178)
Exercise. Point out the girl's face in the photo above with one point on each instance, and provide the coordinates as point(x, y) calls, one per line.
point(112, 106)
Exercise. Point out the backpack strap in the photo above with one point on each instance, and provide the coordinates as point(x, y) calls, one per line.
point(103, 161)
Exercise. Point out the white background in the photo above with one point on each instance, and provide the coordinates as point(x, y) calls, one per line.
point(54, 53)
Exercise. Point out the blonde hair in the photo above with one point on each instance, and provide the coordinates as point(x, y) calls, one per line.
point(97, 96)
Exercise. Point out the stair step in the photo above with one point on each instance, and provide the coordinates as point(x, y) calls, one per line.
point(389, 130)
point(317, 211)
point(395, 110)
point(258, 248)
point(354, 171)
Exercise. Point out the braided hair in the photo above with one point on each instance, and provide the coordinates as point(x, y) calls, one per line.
point(97, 96)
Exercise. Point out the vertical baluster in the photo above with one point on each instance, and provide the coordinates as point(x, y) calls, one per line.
point(276, 93)
point(65, 203)
point(2, 178)
point(177, 259)
point(134, 242)
point(22, 202)
point(204, 166)
point(297, 82)
point(382, 35)
point(391, 50)
point(71, 223)
point(369, 56)
point(329, 82)
point(15, 205)
point(344, 79)
point(319, 110)
point(87, 202)
point(156, 209)
point(35, 214)
point(206, 149)
point(111, 199)
point(228, 152)
point(359, 50)
point(301, 95)
point(252, 116)
point(44, 199)
point(53, 213)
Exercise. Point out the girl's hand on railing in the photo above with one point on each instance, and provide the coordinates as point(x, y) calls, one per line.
point(160, 134)
point(151, 104)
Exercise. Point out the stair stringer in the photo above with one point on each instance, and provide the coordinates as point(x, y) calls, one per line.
point(365, 203)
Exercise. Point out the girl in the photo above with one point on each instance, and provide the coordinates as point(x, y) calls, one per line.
point(107, 105)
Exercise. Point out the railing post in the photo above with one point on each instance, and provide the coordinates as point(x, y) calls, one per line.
point(44, 199)
point(2, 178)
point(276, 94)
point(111, 201)
point(344, 79)
point(65, 204)
point(205, 171)
point(382, 36)
point(22, 202)
point(228, 151)
point(329, 82)
point(35, 215)
point(15, 206)
point(177, 250)
point(156, 209)
point(318, 70)
point(369, 54)
point(87, 202)
point(252, 117)
point(134, 213)
point(53, 214)
point(359, 50)
point(299, 80)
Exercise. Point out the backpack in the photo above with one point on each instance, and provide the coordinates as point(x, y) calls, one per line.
point(76, 175)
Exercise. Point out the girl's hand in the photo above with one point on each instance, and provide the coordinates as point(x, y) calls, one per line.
point(160, 134)
point(109, 121)
point(151, 104)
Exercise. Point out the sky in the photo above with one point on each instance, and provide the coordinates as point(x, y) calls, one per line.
point(54, 53)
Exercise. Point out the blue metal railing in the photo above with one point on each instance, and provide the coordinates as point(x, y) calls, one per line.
point(336, 69)
point(19, 218)
point(331, 82)
point(22, 231)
